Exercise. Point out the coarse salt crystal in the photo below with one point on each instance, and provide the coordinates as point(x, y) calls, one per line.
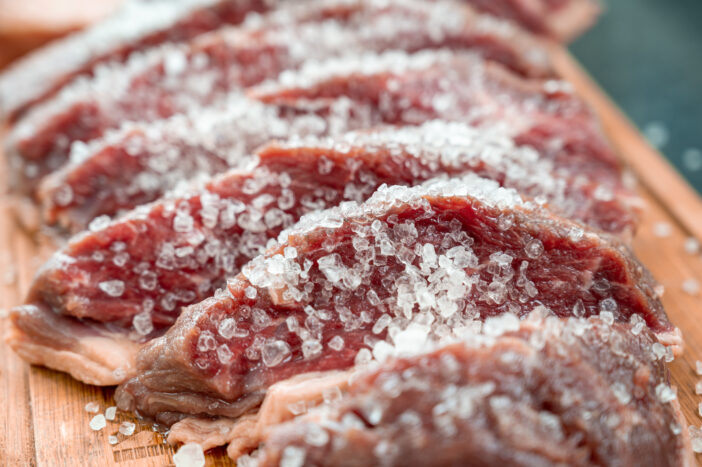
point(274, 352)
point(621, 393)
point(331, 395)
point(607, 317)
point(698, 367)
point(250, 292)
point(298, 407)
point(362, 357)
point(206, 342)
point(99, 223)
point(498, 325)
point(224, 354)
point(92, 407)
point(658, 350)
point(292, 457)
point(127, 428)
point(189, 455)
point(119, 373)
point(696, 438)
point(110, 413)
point(691, 287)
point(665, 393)
point(98, 422)
point(142, 323)
point(381, 323)
point(316, 436)
point(336, 343)
point(698, 387)
point(662, 229)
point(247, 460)
point(692, 246)
point(227, 328)
point(112, 439)
point(114, 288)
point(534, 249)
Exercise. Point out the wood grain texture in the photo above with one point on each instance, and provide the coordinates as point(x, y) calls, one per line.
point(43, 418)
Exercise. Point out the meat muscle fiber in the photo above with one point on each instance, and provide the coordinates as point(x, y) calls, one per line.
point(549, 392)
point(145, 267)
point(137, 26)
point(176, 78)
point(440, 256)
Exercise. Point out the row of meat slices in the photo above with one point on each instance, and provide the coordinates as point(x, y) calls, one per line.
point(142, 268)
point(377, 232)
point(143, 24)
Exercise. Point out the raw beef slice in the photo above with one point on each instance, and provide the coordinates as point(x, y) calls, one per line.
point(142, 269)
point(443, 255)
point(549, 392)
point(176, 78)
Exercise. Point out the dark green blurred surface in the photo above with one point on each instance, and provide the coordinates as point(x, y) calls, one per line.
point(647, 54)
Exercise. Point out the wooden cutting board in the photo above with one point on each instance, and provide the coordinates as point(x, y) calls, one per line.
point(42, 416)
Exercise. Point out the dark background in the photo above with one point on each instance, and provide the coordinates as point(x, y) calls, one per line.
point(647, 55)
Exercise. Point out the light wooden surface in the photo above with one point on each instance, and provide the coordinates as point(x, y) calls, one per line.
point(43, 421)
point(27, 24)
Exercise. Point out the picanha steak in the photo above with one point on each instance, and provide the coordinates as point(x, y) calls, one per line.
point(413, 88)
point(546, 392)
point(441, 256)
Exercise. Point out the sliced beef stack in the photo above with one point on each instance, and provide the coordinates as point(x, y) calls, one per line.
point(378, 232)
